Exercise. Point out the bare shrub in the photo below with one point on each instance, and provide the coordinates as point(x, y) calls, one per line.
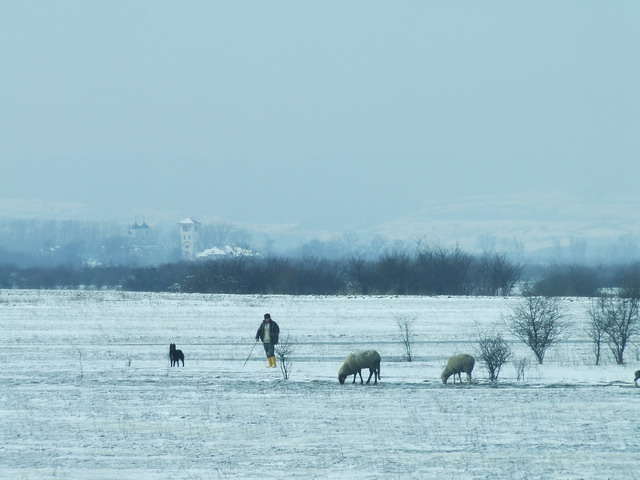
point(76, 348)
point(405, 325)
point(494, 352)
point(522, 366)
point(284, 351)
point(539, 322)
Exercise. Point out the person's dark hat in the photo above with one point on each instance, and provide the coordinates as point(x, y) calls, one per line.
point(266, 315)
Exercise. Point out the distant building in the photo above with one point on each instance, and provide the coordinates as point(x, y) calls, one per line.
point(189, 238)
point(142, 245)
point(226, 251)
point(139, 233)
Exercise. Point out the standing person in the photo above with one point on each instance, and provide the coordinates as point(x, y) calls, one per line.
point(268, 332)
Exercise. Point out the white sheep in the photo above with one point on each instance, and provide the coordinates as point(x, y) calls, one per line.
point(357, 361)
point(456, 365)
point(635, 380)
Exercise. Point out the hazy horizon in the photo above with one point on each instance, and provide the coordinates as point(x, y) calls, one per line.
point(321, 118)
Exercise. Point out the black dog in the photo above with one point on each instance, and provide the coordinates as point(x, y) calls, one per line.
point(175, 355)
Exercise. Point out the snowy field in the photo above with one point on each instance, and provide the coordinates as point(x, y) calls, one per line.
point(87, 392)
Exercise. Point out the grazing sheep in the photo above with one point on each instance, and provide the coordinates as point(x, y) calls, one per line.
point(456, 365)
point(357, 361)
point(635, 380)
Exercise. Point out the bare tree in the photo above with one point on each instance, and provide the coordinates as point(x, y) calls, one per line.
point(405, 324)
point(284, 351)
point(539, 322)
point(619, 320)
point(494, 352)
point(595, 329)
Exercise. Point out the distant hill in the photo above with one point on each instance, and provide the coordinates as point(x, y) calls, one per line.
point(534, 225)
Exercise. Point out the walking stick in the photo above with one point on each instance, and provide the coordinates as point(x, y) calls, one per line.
point(254, 346)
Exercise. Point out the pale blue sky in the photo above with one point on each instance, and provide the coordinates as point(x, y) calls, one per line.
point(324, 114)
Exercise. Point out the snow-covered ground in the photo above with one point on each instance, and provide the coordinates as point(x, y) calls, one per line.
point(87, 392)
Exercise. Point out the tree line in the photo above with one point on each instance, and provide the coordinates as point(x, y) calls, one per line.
point(428, 271)
point(423, 271)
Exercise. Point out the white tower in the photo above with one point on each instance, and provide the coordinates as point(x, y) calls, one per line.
point(189, 237)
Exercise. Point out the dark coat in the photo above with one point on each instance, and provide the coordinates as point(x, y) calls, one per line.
point(275, 331)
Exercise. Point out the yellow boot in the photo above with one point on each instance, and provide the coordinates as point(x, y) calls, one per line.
point(268, 362)
point(272, 362)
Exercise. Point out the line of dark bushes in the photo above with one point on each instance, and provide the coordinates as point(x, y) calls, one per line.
point(426, 272)
point(432, 271)
point(397, 273)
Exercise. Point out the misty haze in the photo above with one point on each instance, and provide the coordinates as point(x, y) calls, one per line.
point(426, 179)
